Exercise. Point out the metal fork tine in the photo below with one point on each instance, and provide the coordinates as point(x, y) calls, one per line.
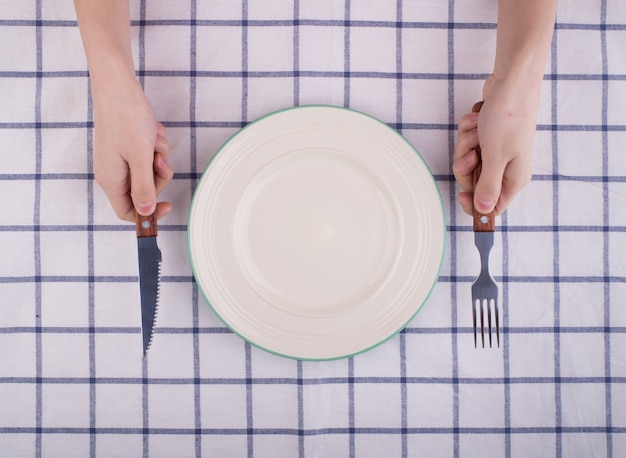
point(482, 323)
point(497, 324)
point(489, 320)
point(474, 321)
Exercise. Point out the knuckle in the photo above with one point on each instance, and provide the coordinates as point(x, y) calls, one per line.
point(490, 190)
point(102, 179)
point(456, 169)
point(120, 214)
point(142, 190)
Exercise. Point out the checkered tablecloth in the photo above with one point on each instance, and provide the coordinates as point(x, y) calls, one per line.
point(72, 379)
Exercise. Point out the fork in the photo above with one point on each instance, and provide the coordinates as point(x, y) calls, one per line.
point(484, 289)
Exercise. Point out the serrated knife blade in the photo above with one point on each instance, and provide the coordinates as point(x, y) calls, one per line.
point(149, 274)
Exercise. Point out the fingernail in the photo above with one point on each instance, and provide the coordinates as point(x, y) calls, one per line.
point(145, 208)
point(485, 205)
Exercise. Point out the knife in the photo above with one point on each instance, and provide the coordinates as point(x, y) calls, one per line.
point(149, 274)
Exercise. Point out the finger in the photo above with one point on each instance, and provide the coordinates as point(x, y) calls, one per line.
point(463, 167)
point(162, 146)
point(465, 199)
point(465, 143)
point(160, 129)
point(468, 135)
point(468, 122)
point(489, 185)
point(503, 203)
point(125, 210)
point(162, 209)
point(506, 197)
point(128, 212)
point(163, 172)
point(465, 159)
point(142, 187)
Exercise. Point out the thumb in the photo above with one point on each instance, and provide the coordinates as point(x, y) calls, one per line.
point(487, 189)
point(142, 187)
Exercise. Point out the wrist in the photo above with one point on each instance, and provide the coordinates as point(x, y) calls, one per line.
point(522, 88)
point(512, 98)
point(111, 79)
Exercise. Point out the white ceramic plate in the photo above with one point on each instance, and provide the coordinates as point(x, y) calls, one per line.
point(316, 232)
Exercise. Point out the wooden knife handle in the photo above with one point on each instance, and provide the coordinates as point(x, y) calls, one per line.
point(146, 226)
point(482, 222)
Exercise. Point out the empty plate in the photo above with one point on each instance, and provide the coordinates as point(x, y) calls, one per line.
point(316, 232)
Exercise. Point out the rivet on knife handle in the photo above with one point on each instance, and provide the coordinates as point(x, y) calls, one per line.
point(146, 226)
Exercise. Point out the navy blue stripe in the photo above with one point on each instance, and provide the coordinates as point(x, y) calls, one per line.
point(296, 53)
point(351, 409)
point(404, 402)
point(37, 241)
point(88, 227)
point(606, 195)
point(44, 74)
point(38, 22)
point(91, 285)
point(193, 161)
point(555, 266)
point(244, 62)
point(145, 392)
point(590, 429)
point(301, 414)
point(346, 55)
point(454, 315)
point(183, 279)
point(504, 336)
point(196, 175)
point(306, 22)
point(302, 21)
point(346, 103)
point(296, 102)
point(495, 381)
point(249, 398)
point(180, 228)
point(244, 118)
point(224, 330)
point(239, 124)
point(296, 73)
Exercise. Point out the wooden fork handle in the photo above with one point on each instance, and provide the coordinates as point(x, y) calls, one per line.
point(482, 222)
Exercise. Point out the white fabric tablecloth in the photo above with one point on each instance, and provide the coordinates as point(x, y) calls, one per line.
point(72, 378)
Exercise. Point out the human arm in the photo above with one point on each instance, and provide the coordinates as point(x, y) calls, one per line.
point(506, 123)
point(130, 151)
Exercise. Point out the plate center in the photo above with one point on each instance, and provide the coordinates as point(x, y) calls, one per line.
point(316, 232)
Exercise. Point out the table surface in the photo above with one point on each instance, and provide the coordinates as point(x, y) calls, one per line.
point(72, 378)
